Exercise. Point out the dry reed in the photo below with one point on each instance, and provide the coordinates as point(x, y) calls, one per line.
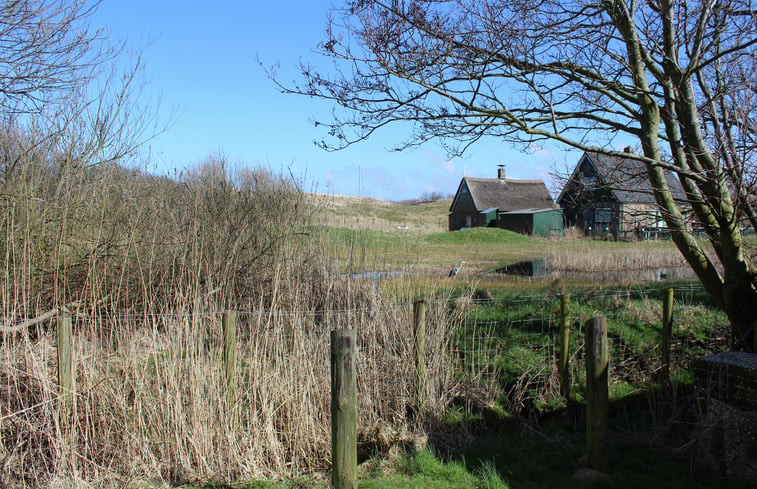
point(145, 266)
point(612, 262)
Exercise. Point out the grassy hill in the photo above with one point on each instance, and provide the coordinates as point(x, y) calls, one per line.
point(380, 215)
point(392, 234)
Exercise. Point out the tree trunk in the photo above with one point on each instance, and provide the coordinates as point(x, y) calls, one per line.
point(735, 291)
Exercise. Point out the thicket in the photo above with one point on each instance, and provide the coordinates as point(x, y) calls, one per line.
point(144, 266)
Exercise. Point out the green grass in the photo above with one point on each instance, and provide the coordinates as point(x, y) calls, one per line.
point(515, 338)
point(548, 457)
point(368, 249)
point(544, 457)
point(423, 470)
point(480, 236)
point(480, 247)
point(359, 250)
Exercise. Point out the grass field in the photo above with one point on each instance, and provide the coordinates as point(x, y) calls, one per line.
point(368, 234)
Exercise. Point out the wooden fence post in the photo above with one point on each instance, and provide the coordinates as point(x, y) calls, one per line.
point(229, 326)
point(419, 334)
point(597, 362)
point(343, 409)
point(65, 365)
point(667, 333)
point(563, 366)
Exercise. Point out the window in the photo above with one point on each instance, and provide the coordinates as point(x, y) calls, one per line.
point(657, 220)
point(602, 216)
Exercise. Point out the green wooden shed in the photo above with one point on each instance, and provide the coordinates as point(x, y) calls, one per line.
point(536, 222)
point(488, 217)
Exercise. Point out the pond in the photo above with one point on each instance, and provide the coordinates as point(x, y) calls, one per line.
point(540, 267)
point(373, 275)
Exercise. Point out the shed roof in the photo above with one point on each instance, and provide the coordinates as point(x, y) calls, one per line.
point(531, 211)
point(506, 194)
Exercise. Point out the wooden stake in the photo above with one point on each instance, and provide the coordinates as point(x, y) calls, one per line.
point(563, 366)
point(343, 410)
point(667, 333)
point(597, 363)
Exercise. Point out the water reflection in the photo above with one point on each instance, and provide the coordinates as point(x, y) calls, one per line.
point(541, 267)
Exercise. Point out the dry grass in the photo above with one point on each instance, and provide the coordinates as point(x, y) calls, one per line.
point(151, 398)
point(617, 262)
point(145, 266)
point(151, 405)
point(381, 215)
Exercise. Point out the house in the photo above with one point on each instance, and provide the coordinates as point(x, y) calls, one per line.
point(521, 205)
point(611, 196)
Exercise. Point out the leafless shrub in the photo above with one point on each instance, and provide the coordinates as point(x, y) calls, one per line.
point(145, 265)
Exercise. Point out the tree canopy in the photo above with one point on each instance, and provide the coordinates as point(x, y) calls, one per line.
point(678, 79)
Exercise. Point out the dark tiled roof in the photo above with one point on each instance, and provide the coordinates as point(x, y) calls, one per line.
point(508, 195)
point(627, 179)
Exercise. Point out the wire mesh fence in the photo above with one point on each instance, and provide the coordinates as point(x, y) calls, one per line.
point(150, 395)
point(514, 357)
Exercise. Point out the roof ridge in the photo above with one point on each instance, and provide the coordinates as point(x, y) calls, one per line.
point(508, 180)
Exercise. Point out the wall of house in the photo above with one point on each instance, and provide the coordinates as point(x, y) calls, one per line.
point(597, 219)
point(639, 218)
point(461, 221)
point(463, 213)
point(488, 219)
point(595, 210)
point(546, 223)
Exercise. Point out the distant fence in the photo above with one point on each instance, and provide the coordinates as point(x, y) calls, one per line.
point(552, 316)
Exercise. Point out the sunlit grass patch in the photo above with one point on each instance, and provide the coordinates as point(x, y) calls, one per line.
point(423, 470)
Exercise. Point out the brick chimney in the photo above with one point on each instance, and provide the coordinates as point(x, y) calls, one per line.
point(501, 172)
point(628, 149)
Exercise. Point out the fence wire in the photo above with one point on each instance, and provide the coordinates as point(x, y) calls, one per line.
point(483, 352)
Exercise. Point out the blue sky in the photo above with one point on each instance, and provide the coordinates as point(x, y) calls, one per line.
point(201, 64)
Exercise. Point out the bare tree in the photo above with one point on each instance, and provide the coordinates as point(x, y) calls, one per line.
point(65, 87)
point(677, 77)
point(46, 52)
